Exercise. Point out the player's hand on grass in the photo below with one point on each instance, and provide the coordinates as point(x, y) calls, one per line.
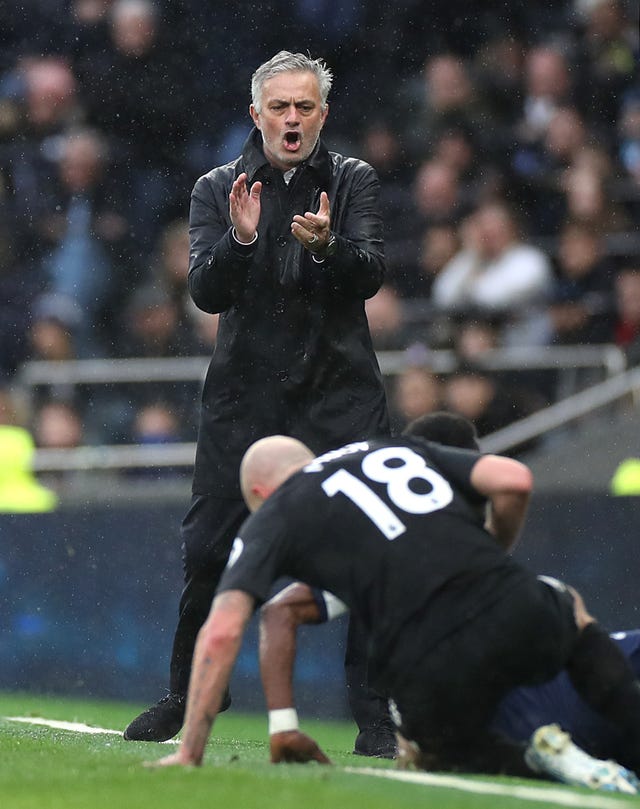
point(174, 760)
point(293, 746)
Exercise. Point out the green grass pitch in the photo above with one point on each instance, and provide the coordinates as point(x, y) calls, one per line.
point(47, 768)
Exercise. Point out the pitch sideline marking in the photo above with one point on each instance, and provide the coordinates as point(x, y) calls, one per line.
point(77, 727)
point(427, 779)
point(468, 785)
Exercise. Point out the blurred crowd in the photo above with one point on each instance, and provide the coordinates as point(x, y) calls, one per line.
point(507, 141)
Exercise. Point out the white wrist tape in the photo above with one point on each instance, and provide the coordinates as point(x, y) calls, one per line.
point(334, 606)
point(282, 720)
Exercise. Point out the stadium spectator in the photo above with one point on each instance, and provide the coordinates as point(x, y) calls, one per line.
point(548, 86)
point(476, 335)
point(627, 329)
point(443, 93)
point(567, 134)
point(86, 239)
point(382, 147)
point(540, 168)
point(154, 325)
point(157, 423)
point(49, 95)
point(582, 302)
point(497, 272)
point(607, 58)
point(587, 192)
point(488, 401)
point(439, 195)
point(40, 103)
point(498, 64)
point(415, 391)
point(286, 244)
point(438, 246)
point(58, 424)
point(480, 173)
point(435, 199)
point(385, 317)
point(54, 327)
point(170, 263)
point(149, 138)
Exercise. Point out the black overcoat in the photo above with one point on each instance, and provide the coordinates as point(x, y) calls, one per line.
point(293, 354)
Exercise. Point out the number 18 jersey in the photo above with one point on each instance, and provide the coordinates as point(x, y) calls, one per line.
point(393, 528)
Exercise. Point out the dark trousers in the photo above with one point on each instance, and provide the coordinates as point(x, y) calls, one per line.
point(446, 701)
point(368, 707)
point(208, 530)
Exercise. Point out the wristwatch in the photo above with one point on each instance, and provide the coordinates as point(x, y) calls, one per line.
point(332, 246)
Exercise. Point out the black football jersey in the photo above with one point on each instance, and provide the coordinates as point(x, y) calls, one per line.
point(393, 528)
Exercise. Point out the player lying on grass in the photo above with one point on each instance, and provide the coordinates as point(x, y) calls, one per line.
point(395, 529)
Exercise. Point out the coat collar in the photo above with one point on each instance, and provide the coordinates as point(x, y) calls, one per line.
point(254, 159)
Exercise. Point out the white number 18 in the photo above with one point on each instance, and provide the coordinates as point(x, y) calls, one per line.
point(375, 467)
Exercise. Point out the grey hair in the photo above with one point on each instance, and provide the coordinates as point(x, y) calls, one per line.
point(286, 62)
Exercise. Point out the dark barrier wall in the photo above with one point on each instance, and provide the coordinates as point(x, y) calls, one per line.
point(89, 596)
point(592, 541)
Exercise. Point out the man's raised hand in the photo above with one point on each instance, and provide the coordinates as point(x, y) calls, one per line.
point(314, 229)
point(244, 208)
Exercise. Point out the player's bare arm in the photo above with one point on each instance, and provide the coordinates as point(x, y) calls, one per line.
point(507, 484)
point(244, 208)
point(279, 621)
point(216, 650)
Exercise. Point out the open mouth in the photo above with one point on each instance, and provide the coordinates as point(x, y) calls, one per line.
point(292, 140)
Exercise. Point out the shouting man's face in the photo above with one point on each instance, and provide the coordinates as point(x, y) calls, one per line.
point(290, 118)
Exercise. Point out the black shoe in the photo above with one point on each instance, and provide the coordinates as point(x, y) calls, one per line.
point(163, 720)
point(159, 722)
point(376, 743)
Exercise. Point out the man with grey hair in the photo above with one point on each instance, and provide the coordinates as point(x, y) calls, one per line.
point(286, 245)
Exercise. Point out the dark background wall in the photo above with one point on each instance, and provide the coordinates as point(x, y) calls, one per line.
point(88, 596)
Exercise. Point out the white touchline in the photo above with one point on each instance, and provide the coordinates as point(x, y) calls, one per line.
point(77, 727)
point(548, 795)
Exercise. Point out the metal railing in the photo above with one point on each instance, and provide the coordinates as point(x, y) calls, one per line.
point(609, 360)
point(184, 369)
point(565, 412)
